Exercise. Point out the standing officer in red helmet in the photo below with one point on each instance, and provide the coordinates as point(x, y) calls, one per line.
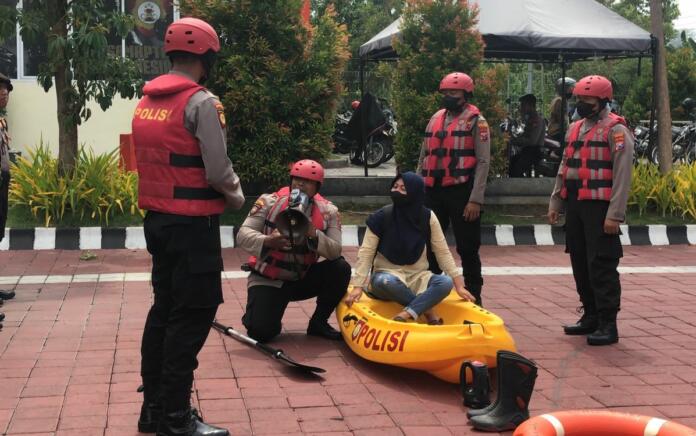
point(284, 270)
point(185, 182)
point(593, 183)
point(454, 162)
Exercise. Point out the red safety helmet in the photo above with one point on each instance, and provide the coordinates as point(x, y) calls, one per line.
point(594, 86)
point(457, 81)
point(308, 169)
point(191, 35)
point(355, 104)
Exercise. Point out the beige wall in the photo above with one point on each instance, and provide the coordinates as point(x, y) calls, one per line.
point(31, 115)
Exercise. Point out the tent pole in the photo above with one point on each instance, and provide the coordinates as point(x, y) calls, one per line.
point(362, 123)
point(362, 77)
point(651, 136)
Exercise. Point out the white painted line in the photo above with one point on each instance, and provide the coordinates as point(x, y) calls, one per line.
point(44, 238)
point(350, 236)
point(229, 275)
point(658, 234)
point(227, 236)
point(33, 280)
point(5, 243)
point(624, 237)
point(542, 234)
point(691, 233)
point(504, 235)
point(112, 277)
point(85, 278)
point(90, 238)
point(135, 238)
point(59, 279)
point(9, 280)
point(137, 277)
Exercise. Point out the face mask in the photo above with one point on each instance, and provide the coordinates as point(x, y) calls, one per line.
point(451, 103)
point(585, 110)
point(399, 199)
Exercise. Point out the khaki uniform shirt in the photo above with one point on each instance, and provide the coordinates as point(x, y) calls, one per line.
point(622, 157)
point(204, 118)
point(250, 236)
point(482, 149)
point(415, 276)
point(556, 118)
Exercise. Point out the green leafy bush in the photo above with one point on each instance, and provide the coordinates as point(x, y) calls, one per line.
point(673, 193)
point(279, 80)
point(96, 189)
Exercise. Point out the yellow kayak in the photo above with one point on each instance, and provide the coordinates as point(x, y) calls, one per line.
point(469, 332)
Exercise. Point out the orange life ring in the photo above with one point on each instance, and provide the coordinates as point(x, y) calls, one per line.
point(600, 423)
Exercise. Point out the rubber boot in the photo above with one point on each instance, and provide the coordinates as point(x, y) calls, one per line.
point(476, 393)
point(476, 412)
point(187, 422)
point(586, 324)
point(515, 387)
point(150, 411)
point(607, 333)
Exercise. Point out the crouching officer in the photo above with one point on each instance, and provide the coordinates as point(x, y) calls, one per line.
point(593, 183)
point(454, 162)
point(186, 180)
point(284, 267)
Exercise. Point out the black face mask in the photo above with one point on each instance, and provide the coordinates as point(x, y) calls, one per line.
point(399, 199)
point(585, 110)
point(451, 103)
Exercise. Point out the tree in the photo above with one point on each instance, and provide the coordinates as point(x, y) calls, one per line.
point(279, 81)
point(438, 37)
point(74, 36)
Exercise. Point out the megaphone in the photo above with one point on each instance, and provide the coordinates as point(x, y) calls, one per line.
point(293, 223)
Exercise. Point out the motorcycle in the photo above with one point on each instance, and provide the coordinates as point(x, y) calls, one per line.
point(683, 144)
point(551, 152)
point(379, 145)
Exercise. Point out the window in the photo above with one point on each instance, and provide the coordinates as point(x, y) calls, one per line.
point(145, 43)
point(8, 49)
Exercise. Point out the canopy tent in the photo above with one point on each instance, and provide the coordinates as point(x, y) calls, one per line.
point(540, 31)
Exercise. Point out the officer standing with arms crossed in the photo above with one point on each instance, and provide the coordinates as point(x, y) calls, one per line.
point(186, 180)
point(284, 270)
point(5, 89)
point(593, 183)
point(454, 162)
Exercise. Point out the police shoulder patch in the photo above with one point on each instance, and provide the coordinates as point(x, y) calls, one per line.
point(484, 134)
point(619, 140)
point(258, 206)
point(221, 113)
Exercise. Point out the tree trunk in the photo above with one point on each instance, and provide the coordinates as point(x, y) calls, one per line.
point(67, 127)
point(661, 90)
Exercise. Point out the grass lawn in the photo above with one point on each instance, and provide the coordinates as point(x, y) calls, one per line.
point(351, 213)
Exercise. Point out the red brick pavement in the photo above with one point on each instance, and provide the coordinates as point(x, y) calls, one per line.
point(69, 354)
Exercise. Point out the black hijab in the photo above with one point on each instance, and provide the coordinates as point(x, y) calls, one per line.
point(401, 233)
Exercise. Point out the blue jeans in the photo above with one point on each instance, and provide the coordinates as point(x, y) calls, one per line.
point(388, 287)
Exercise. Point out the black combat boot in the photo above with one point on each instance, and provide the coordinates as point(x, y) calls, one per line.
point(187, 422)
point(150, 411)
point(585, 325)
point(7, 295)
point(2, 317)
point(515, 387)
point(324, 330)
point(606, 333)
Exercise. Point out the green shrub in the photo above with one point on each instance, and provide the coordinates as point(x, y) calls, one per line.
point(96, 189)
point(279, 81)
point(673, 193)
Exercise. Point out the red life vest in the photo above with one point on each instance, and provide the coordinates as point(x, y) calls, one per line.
point(595, 165)
point(454, 146)
point(286, 265)
point(170, 166)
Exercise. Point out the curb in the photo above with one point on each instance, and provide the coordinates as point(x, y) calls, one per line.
point(100, 238)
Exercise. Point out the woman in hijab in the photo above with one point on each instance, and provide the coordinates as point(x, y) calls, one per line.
point(395, 246)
